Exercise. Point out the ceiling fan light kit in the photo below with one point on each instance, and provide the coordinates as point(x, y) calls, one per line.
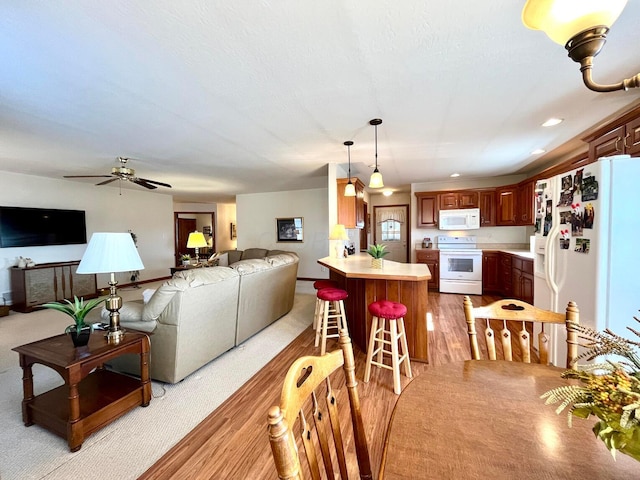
point(376, 177)
point(582, 28)
point(126, 174)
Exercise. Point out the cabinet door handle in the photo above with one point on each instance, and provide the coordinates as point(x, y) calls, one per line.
point(615, 145)
point(624, 142)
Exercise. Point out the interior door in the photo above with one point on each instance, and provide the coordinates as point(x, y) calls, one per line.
point(391, 229)
point(184, 227)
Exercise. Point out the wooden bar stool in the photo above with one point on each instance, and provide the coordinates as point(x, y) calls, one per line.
point(381, 311)
point(333, 317)
point(319, 285)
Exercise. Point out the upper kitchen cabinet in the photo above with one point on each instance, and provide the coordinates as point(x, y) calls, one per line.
point(506, 205)
point(351, 209)
point(525, 203)
point(427, 210)
point(618, 137)
point(487, 204)
point(461, 199)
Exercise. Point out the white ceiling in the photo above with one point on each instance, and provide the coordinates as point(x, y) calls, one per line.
point(220, 98)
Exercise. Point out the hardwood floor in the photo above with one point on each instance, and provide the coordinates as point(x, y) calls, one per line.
point(232, 442)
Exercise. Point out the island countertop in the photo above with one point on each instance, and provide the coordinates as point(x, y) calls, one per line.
point(359, 266)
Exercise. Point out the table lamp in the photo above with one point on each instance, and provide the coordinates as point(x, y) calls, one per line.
point(338, 232)
point(110, 252)
point(196, 240)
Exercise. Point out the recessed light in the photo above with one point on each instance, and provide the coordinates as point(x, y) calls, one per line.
point(387, 193)
point(552, 121)
point(538, 151)
point(453, 175)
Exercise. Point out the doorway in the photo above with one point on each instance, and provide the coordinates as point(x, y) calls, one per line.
point(391, 228)
point(187, 222)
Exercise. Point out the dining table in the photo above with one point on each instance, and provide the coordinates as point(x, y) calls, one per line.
point(484, 419)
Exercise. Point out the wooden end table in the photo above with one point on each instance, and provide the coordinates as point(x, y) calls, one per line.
point(92, 397)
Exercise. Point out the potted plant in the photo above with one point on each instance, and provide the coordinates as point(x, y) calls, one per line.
point(186, 259)
point(377, 251)
point(78, 310)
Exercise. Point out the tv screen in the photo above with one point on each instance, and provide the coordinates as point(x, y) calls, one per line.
point(30, 227)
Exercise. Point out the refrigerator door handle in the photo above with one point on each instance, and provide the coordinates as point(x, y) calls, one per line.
point(551, 249)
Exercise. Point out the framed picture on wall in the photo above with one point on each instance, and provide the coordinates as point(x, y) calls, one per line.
point(289, 229)
point(233, 231)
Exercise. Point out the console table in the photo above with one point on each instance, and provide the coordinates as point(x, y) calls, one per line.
point(49, 282)
point(92, 397)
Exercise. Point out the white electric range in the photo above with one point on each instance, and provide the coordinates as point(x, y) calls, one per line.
point(460, 265)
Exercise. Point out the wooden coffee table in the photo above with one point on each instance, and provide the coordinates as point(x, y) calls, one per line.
point(92, 397)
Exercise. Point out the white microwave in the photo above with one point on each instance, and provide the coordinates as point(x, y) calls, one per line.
point(460, 219)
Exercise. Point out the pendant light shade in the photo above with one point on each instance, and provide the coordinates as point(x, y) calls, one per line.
point(376, 177)
point(349, 189)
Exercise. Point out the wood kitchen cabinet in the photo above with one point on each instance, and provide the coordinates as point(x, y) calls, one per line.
point(506, 280)
point(432, 258)
point(618, 137)
point(525, 203)
point(427, 210)
point(506, 205)
point(487, 203)
point(49, 282)
point(460, 199)
point(351, 209)
point(491, 272)
point(522, 279)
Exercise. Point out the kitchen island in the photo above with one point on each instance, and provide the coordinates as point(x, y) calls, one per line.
point(399, 282)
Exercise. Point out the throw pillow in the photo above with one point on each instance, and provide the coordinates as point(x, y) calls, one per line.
point(223, 260)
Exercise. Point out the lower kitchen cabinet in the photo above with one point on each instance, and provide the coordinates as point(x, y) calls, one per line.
point(506, 281)
point(491, 272)
point(432, 258)
point(522, 274)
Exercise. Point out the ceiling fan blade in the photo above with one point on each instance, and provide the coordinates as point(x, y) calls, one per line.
point(108, 181)
point(85, 176)
point(153, 181)
point(142, 182)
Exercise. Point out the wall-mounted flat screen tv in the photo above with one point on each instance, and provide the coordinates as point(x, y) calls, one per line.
point(31, 227)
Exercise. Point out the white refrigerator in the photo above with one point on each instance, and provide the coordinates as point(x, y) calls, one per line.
point(587, 246)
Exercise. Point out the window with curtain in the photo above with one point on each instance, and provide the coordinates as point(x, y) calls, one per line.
point(390, 231)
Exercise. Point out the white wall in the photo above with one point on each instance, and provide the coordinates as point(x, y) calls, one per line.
point(257, 213)
point(149, 215)
point(226, 216)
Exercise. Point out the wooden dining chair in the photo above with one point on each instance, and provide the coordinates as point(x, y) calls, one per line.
point(515, 316)
point(306, 383)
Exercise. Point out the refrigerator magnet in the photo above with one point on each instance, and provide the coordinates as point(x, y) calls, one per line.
point(589, 215)
point(582, 245)
point(589, 189)
point(576, 223)
point(564, 243)
point(567, 183)
point(565, 217)
point(577, 182)
point(566, 198)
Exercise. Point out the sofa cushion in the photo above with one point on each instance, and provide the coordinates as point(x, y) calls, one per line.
point(253, 265)
point(281, 259)
point(250, 253)
point(234, 255)
point(219, 260)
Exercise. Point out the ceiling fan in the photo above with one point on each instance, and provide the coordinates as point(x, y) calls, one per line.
point(124, 173)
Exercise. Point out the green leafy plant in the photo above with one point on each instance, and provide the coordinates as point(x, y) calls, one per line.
point(78, 310)
point(185, 257)
point(377, 250)
point(609, 390)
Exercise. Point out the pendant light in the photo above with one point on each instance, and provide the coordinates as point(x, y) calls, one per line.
point(350, 189)
point(376, 177)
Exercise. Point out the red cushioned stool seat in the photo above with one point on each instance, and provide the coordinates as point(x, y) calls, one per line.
point(393, 312)
point(387, 309)
point(318, 284)
point(331, 315)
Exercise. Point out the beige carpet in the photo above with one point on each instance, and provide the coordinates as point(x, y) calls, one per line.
point(130, 445)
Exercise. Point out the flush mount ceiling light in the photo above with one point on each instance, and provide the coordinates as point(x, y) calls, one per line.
point(349, 189)
point(376, 177)
point(582, 28)
point(552, 122)
point(538, 151)
point(387, 192)
point(454, 175)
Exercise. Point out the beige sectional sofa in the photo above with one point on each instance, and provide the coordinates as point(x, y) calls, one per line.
point(201, 313)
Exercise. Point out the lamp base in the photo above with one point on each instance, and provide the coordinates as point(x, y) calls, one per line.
point(114, 337)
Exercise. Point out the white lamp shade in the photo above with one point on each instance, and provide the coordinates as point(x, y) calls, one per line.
point(196, 240)
point(563, 19)
point(350, 190)
point(338, 232)
point(110, 252)
point(376, 180)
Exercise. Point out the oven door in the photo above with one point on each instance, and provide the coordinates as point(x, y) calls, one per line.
point(460, 265)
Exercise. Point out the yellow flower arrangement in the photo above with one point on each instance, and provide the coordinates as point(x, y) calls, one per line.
point(609, 390)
